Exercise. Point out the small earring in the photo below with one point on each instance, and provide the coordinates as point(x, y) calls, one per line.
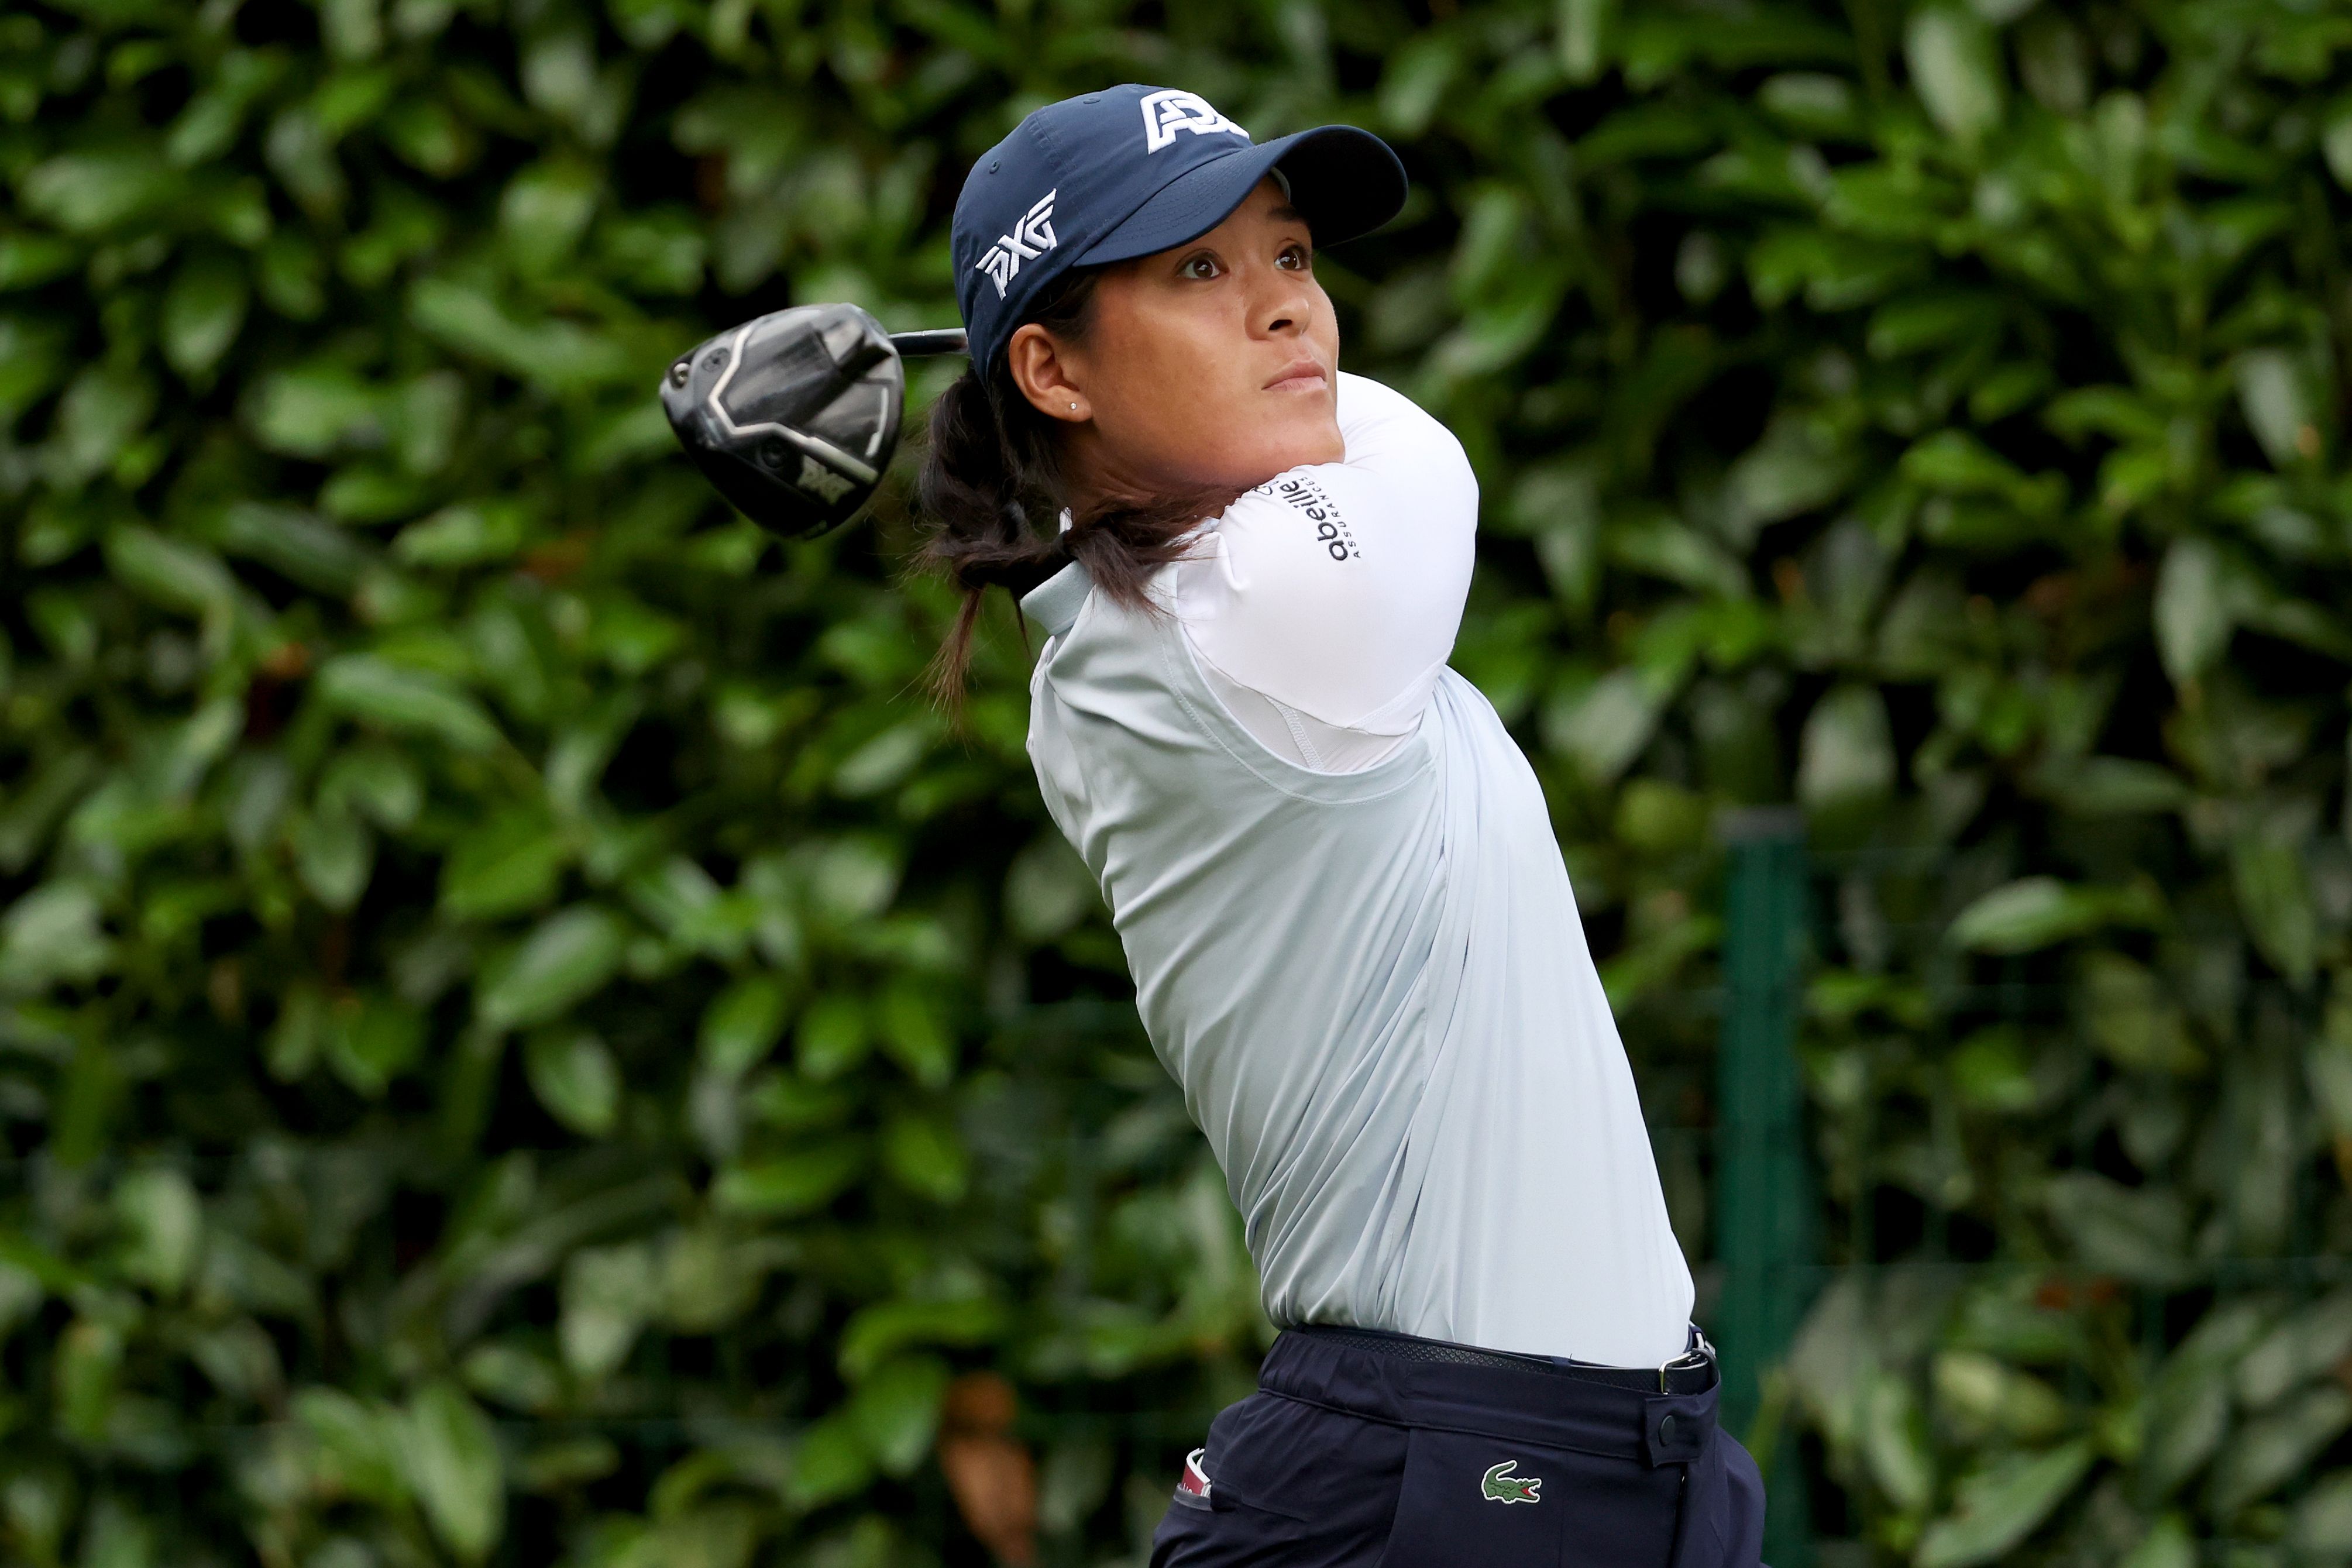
point(1074, 408)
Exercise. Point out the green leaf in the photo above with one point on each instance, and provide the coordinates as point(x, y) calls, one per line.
point(2188, 1412)
point(92, 192)
point(1048, 890)
point(317, 555)
point(834, 1035)
point(29, 260)
point(924, 1155)
point(428, 135)
point(32, 361)
point(786, 1185)
point(709, 1279)
point(1603, 727)
point(1983, 1394)
point(115, 1537)
point(2028, 914)
point(334, 854)
point(2323, 1518)
point(853, 879)
point(163, 1221)
point(1932, 319)
point(379, 782)
point(454, 1464)
point(509, 865)
point(352, 30)
point(1847, 752)
point(1796, 467)
point(359, 1445)
point(467, 534)
point(743, 1024)
point(895, 1411)
point(1956, 69)
point(103, 412)
point(2305, 1345)
point(574, 1076)
point(1584, 30)
point(877, 1332)
point(513, 1377)
point(170, 572)
point(2000, 1506)
point(545, 213)
point(2131, 1017)
point(829, 1462)
point(2193, 616)
point(2281, 407)
point(314, 410)
point(2274, 895)
point(1895, 1442)
point(2279, 1445)
point(203, 311)
point(371, 1040)
point(561, 356)
point(566, 960)
point(2327, 1063)
point(608, 1296)
point(404, 700)
point(2117, 786)
point(2138, 1233)
point(52, 936)
point(916, 1036)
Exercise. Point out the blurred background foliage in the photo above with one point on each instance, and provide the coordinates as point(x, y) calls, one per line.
point(523, 1039)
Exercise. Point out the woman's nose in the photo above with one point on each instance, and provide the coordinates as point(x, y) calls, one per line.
point(1284, 305)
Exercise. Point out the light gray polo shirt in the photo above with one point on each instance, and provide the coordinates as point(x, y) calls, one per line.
point(1374, 989)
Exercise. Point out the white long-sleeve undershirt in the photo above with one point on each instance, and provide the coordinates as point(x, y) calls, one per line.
point(1322, 604)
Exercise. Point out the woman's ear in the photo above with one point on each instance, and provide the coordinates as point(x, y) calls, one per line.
point(1043, 375)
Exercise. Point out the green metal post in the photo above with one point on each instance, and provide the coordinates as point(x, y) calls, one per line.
point(1765, 1220)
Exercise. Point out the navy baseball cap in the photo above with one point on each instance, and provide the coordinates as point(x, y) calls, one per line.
point(1123, 172)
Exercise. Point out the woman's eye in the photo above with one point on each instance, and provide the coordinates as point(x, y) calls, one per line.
point(1294, 258)
point(1199, 267)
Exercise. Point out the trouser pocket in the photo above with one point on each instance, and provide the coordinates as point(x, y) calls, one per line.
point(1473, 1501)
point(1290, 1484)
point(1722, 1523)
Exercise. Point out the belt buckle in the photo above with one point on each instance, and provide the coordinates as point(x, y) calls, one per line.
point(1698, 1354)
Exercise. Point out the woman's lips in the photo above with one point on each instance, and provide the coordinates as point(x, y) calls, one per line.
point(1304, 375)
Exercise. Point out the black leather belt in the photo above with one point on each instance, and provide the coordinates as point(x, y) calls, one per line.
point(1694, 1372)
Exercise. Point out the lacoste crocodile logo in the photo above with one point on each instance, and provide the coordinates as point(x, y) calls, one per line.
point(1501, 1486)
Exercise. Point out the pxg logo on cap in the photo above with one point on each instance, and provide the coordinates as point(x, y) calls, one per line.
point(1132, 170)
point(1030, 238)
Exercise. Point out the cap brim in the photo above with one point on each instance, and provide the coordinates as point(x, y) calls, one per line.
point(1344, 182)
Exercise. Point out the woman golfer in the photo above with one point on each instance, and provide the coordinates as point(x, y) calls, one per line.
point(1352, 938)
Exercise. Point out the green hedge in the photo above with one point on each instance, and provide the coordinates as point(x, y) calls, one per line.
point(522, 1038)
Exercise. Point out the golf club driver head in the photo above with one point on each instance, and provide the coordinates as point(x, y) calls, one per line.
point(794, 416)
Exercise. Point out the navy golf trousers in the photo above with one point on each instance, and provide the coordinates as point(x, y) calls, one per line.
point(1365, 1450)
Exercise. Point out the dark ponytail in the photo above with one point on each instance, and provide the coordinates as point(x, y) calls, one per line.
point(993, 487)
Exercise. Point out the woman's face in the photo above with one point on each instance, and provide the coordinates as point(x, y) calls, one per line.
point(1209, 366)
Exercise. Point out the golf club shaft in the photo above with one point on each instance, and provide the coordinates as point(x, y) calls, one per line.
point(946, 341)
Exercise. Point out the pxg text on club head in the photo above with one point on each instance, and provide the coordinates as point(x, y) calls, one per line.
point(794, 416)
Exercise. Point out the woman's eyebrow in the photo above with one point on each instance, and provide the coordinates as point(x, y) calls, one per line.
point(1286, 213)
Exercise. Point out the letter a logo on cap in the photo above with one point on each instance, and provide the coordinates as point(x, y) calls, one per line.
point(1031, 238)
point(1167, 112)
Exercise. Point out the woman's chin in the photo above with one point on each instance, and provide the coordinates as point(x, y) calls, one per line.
point(1292, 444)
point(1245, 456)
